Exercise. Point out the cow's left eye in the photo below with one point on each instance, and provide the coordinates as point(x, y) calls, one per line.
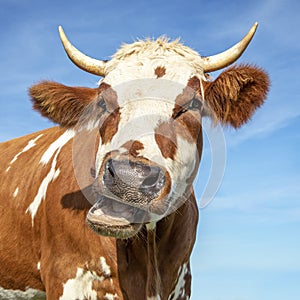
point(194, 104)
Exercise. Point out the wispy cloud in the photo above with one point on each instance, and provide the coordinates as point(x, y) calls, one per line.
point(276, 202)
point(268, 123)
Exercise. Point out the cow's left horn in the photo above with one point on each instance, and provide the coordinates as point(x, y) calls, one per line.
point(226, 58)
point(81, 60)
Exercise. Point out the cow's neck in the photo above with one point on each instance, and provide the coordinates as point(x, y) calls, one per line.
point(155, 256)
point(138, 257)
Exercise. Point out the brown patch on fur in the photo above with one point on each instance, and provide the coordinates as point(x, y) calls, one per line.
point(182, 100)
point(237, 93)
point(103, 86)
point(194, 83)
point(59, 103)
point(109, 96)
point(166, 139)
point(160, 71)
point(110, 126)
point(133, 147)
point(188, 123)
point(189, 126)
point(192, 90)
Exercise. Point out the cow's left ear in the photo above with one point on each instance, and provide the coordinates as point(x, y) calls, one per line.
point(236, 93)
point(61, 104)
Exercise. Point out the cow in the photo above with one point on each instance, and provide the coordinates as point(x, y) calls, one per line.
point(102, 205)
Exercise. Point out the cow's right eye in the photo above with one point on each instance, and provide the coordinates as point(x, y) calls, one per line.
point(101, 103)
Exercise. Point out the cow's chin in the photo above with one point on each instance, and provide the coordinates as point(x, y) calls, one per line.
point(109, 217)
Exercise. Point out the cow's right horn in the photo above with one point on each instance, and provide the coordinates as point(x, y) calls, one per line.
point(81, 60)
point(226, 58)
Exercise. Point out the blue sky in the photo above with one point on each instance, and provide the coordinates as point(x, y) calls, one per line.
point(248, 244)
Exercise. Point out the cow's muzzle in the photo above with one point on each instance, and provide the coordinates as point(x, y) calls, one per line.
point(130, 193)
point(135, 183)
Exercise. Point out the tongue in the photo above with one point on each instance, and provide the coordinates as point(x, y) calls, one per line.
point(112, 212)
point(99, 217)
point(114, 209)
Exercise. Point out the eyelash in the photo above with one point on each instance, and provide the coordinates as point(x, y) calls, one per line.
point(194, 104)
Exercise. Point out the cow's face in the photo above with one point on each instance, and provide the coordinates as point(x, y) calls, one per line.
point(147, 114)
point(149, 150)
point(150, 135)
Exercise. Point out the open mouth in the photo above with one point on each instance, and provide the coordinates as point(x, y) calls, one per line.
point(110, 217)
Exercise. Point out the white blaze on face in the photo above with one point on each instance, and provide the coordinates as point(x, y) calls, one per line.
point(144, 104)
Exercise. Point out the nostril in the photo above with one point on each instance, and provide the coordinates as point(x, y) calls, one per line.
point(150, 180)
point(111, 172)
point(110, 167)
point(154, 181)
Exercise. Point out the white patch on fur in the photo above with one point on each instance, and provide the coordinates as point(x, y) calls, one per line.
point(109, 296)
point(57, 145)
point(179, 290)
point(38, 266)
point(105, 268)
point(180, 169)
point(80, 287)
point(54, 149)
point(15, 194)
point(29, 145)
point(42, 191)
point(149, 90)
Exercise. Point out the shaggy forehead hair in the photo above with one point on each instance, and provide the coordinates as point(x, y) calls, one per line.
point(157, 51)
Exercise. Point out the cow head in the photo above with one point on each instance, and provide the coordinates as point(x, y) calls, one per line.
point(147, 113)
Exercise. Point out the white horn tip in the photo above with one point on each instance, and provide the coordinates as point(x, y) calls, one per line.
point(254, 27)
point(61, 31)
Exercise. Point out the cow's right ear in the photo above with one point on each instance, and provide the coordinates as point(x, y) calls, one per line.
point(61, 104)
point(236, 93)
